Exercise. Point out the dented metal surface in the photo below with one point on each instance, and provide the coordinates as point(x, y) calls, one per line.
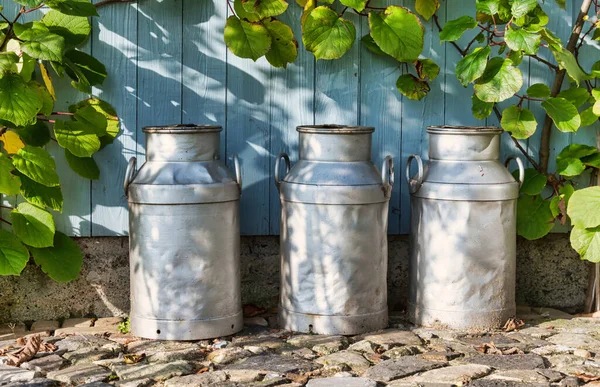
point(184, 237)
point(463, 231)
point(334, 233)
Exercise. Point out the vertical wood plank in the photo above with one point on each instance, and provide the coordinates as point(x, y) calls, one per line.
point(291, 93)
point(248, 135)
point(115, 44)
point(417, 115)
point(159, 66)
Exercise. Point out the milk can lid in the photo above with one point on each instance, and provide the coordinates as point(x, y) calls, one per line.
point(182, 128)
point(450, 129)
point(335, 129)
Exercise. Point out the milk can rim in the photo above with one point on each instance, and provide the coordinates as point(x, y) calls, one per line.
point(457, 129)
point(182, 128)
point(335, 129)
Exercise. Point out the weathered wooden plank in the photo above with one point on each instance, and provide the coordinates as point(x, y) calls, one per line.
point(115, 44)
point(291, 94)
point(159, 79)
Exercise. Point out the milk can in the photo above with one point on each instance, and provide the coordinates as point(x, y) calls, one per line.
point(334, 216)
point(463, 231)
point(184, 241)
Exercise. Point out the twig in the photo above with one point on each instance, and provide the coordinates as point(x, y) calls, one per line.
point(544, 61)
point(558, 80)
point(6, 221)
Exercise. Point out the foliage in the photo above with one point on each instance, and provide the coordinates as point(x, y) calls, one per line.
point(124, 327)
point(501, 33)
point(28, 122)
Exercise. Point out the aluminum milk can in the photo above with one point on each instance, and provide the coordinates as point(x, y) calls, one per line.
point(184, 239)
point(463, 231)
point(334, 217)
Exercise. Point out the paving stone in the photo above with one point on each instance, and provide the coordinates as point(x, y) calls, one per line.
point(525, 376)
point(570, 381)
point(572, 365)
point(96, 384)
point(575, 340)
point(228, 355)
point(73, 343)
point(273, 363)
point(244, 376)
point(304, 353)
point(37, 382)
point(79, 374)
point(135, 383)
point(260, 321)
point(531, 341)
point(197, 380)
point(363, 346)
point(44, 364)
point(88, 355)
point(506, 362)
point(99, 331)
point(504, 383)
point(44, 326)
point(460, 374)
point(442, 356)
point(451, 346)
point(399, 368)
point(165, 351)
point(498, 340)
point(354, 360)
point(321, 344)
point(582, 353)
point(575, 325)
point(108, 322)
point(266, 341)
point(551, 375)
point(16, 374)
point(392, 338)
point(77, 323)
point(406, 350)
point(156, 371)
point(551, 350)
point(341, 382)
point(540, 333)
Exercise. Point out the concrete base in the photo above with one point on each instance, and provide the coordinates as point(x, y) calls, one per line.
point(549, 273)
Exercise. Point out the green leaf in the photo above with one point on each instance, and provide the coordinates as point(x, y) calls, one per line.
point(74, 29)
point(553, 41)
point(398, 32)
point(37, 134)
point(63, 261)
point(588, 117)
point(19, 103)
point(586, 241)
point(358, 5)
point(73, 7)
point(427, 69)
point(9, 183)
point(78, 138)
point(84, 166)
point(520, 122)
point(94, 120)
point(596, 106)
point(427, 8)
point(47, 101)
point(522, 7)
point(80, 64)
point(113, 126)
point(284, 48)
point(567, 61)
point(563, 113)
point(561, 3)
point(534, 217)
point(569, 167)
point(38, 42)
point(592, 161)
point(488, 7)
point(8, 63)
point(567, 191)
point(520, 39)
point(576, 95)
point(533, 183)
point(584, 207)
point(472, 66)
point(41, 195)
point(412, 87)
point(36, 164)
point(242, 14)
point(13, 255)
point(370, 44)
point(538, 90)
point(33, 225)
point(500, 81)
point(576, 151)
point(29, 3)
point(516, 57)
point(481, 110)
point(454, 29)
point(265, 8)
point(246, 40)
point(326, 34)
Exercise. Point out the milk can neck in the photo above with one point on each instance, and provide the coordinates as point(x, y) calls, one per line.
point(453, 143)
point(335, 143)
point(182, 143)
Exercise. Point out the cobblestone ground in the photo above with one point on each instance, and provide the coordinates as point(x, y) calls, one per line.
point(551, 349)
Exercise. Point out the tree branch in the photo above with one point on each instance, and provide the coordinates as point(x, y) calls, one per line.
point(558, 80)
point(544, 61)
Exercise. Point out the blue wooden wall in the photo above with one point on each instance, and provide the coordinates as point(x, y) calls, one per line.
point(168, 64)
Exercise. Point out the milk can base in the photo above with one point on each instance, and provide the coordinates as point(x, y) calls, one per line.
point(186, 329)
point(332, 324)
point(467, 319)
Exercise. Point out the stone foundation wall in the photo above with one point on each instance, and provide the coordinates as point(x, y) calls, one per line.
point(549, 273)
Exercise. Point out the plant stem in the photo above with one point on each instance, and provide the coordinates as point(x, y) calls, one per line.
point(544, 61)
point(10, 29)
point(558, 80)
point(6, 221)
point(7, 207)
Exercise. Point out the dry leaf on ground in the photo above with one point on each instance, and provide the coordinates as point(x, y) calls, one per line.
point(26, 353)
point(513, 324)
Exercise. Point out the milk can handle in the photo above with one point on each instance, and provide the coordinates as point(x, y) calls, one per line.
point(129, 174)
point(412, 185)
point(521, 168)
point(280, 156)
point(238, 171)
point(387, 174)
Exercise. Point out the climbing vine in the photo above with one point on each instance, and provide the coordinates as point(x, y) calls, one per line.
point(31, 54)
point(506, 31)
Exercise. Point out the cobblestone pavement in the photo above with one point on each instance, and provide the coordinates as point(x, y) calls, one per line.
point(551, 349)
